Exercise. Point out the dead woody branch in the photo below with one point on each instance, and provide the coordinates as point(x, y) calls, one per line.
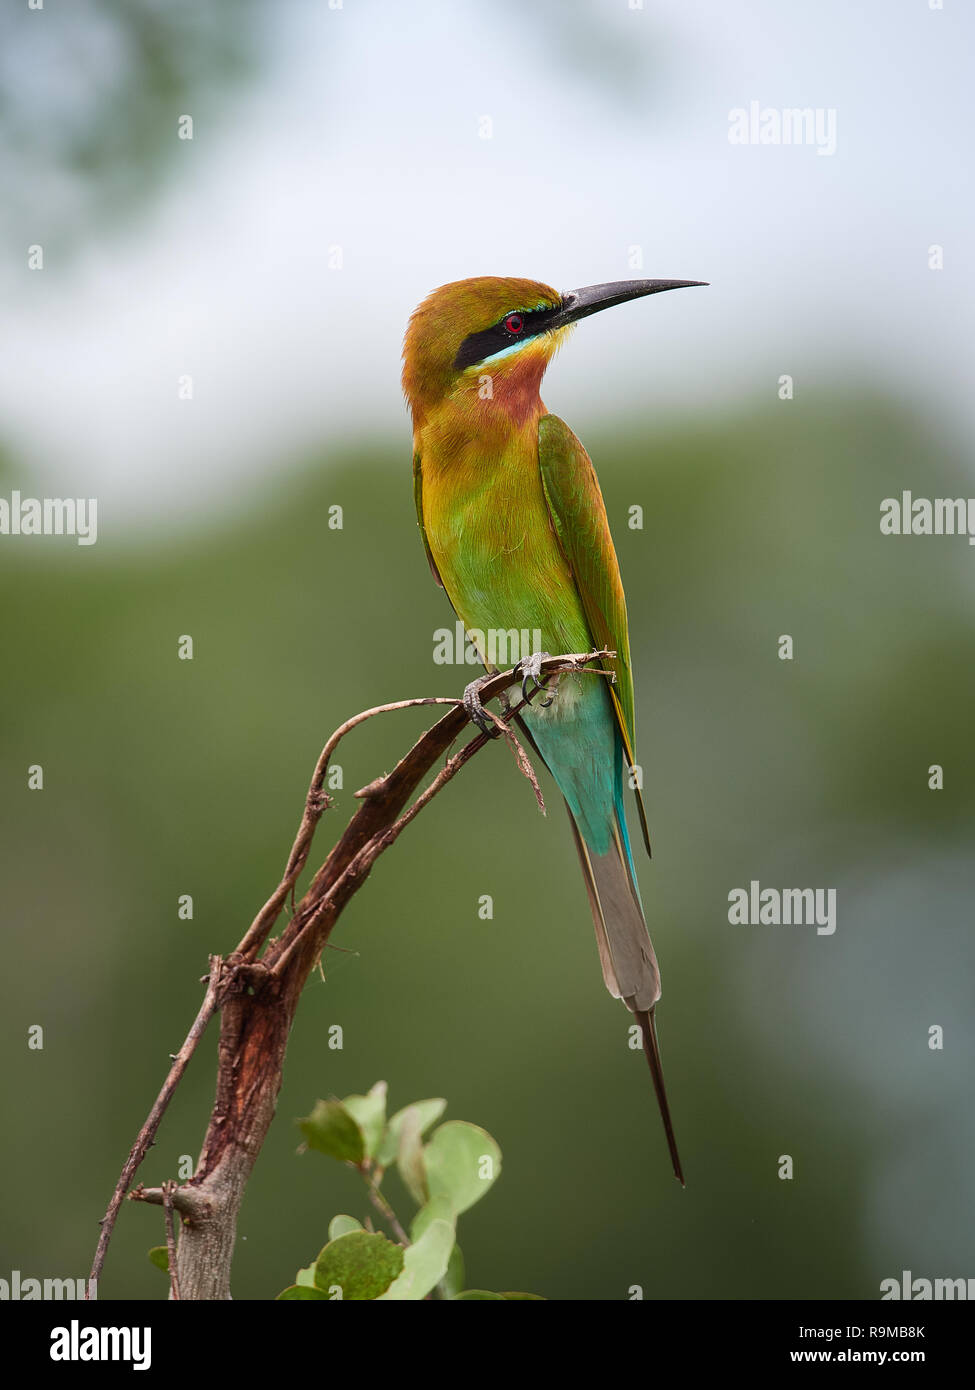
point(257, 995)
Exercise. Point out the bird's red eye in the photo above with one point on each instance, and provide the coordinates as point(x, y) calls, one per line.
point(514, 323)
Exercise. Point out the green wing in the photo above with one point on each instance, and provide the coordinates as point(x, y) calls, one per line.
point(578, 515)
point(418, 499)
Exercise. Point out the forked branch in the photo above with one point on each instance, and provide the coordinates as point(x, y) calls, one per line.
point(257, 995)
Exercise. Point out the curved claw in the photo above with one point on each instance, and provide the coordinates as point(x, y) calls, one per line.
point(531, 669)
point(475, 710)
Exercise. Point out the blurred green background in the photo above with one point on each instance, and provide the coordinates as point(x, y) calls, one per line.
point(165, 777)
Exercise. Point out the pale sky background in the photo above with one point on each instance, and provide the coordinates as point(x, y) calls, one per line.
point(362, 131)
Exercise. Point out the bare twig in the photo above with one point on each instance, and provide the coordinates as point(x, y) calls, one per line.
point(147, 1133)
point(316, 803)
point(378, 1199)
point(257, 999)
point(521, 757)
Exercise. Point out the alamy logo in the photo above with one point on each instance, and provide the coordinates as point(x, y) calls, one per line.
point(792, 125)
point(24, 1289)
point(77, 1343)
point(925, 1290)
point(925, 516)
point(756, 906)
point(50, 516)
point(498, 647)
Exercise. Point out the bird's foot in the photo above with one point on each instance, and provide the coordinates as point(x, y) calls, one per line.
point(531, 670)
point(476, 712)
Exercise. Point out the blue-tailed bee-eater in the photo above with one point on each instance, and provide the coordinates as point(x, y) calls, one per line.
point(515, 531)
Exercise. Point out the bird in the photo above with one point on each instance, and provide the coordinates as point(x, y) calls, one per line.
point(515, 531)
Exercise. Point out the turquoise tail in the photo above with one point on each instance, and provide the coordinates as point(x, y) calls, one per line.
point(581, 744)
point(582, 747)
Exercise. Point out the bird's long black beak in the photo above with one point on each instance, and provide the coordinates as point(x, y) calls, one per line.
point(579, 304)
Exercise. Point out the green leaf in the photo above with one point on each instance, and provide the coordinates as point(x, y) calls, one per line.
point(331, 1130)
point(301, 1293)
point(369, 1113)
point(437, 1210)
point(453, 1280)
point(306, 1277)
point(440, 1210)
point(342, 1226)
point(159, 1256)
point(462, 1162)
point(429, 1112)
point(480, 1294)
point(409, 1159)
point(535, 1297)
point(424, 1264)
point(360, 1264)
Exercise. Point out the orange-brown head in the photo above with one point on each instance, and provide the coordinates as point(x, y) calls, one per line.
point(483, 339)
